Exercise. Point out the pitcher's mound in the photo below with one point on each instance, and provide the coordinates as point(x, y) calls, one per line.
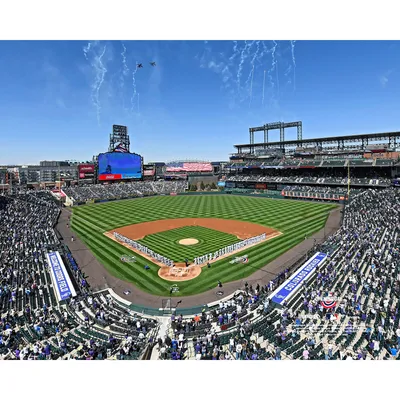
point(188, 242)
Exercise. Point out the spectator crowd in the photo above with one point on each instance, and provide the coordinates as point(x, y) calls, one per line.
point(321, 179)
point(362, 275)
point(33, 323)
point(123, 190)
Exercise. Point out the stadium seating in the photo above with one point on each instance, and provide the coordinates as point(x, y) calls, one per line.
point(292, 162)
point(314, 176)
point(310, 163)
point(334, 163)
point(383, 163)
point(361, 162)
point(363, 271)
point(33, 324)
point(123, 190)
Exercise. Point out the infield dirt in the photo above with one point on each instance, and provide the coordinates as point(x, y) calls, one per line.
point(188, 242)
point(242, 230)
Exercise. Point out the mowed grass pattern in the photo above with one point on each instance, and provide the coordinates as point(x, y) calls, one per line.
point(167, 242)
point(295, 219)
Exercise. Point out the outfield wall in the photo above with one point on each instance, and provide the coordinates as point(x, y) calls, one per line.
point(270, 194)
point(207, 179)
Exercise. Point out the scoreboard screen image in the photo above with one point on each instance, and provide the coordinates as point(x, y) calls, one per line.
point(115, 166)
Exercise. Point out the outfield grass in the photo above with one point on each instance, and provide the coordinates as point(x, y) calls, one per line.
point(167, 242)
point(295, 219)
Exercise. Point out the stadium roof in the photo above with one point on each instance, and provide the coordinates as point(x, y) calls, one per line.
point(391, 137)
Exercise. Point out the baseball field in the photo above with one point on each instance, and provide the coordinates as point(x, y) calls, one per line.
point(185, 227)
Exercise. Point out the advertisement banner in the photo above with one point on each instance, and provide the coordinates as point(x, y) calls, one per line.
point(221, 183)
point(61, 281)
point(291, 285)
point(109, 177)
point(86, 168)
point(261, 185)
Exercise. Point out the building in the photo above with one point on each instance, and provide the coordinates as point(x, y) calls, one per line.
point(54, 171)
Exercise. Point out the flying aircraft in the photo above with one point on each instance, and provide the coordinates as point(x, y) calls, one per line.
point(140, 65)
point(153, 63)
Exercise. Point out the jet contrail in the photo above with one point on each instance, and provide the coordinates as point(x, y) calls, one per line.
point(134, 86)
point(242, 58)
point(251, 74)
point(270, 78)
point(274, 65)
point(256, 53)
point(125, 70)
point(251, 86)
point(138, 108)
point(263, 88)
point(235, 51)
point(292, 43)
point(100, 74)
point(277, 78)
point(263, 51)
point(86, 49)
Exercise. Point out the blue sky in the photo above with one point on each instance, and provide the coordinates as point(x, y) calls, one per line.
point(59, 100)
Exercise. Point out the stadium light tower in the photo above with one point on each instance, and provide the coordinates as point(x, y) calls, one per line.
point(119, 139)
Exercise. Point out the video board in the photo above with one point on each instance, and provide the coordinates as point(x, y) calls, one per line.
point(116, 166)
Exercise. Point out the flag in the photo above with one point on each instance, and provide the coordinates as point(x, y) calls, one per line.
point(189, 167)
point(120, 149)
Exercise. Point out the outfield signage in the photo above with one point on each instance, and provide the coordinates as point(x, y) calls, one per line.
point(293, 284)
point(59, 275)
point(137, 246)
point(110, 177)
point(229, 249)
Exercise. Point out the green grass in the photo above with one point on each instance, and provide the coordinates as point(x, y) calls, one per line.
point(167, 242)
point(295, 219)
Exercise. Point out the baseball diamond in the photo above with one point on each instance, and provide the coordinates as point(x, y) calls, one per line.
point(148, 221)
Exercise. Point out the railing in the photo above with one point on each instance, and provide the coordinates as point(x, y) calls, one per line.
point(150, 346)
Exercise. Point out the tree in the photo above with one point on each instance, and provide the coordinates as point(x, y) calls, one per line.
point(193, 187)
point(213, 186)
point(202, 185)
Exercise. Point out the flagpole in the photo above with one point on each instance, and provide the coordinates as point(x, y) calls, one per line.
point(348, 180)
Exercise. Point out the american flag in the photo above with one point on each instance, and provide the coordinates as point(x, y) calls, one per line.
point(120, 149)
point(190, 167)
